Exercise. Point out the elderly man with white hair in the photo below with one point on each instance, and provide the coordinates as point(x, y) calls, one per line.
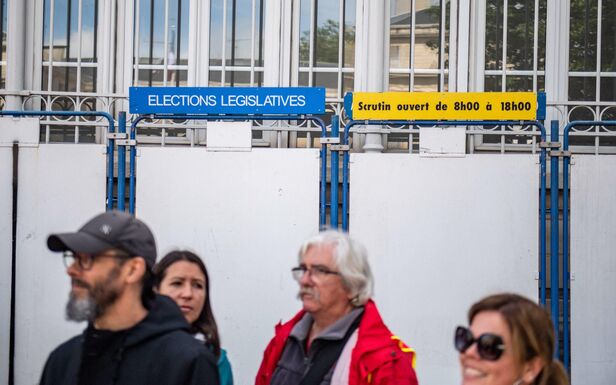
point(338, 337)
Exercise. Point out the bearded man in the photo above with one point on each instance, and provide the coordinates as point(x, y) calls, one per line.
point(133, 336)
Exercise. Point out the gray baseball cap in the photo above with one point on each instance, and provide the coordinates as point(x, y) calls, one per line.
point(110, 230)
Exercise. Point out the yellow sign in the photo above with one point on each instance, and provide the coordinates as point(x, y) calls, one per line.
point(444, 106)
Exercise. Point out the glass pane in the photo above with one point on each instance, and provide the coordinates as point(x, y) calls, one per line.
point(182, 78)
point(61, 134)
point(3, 19)
point(259, 32)
point(519, 83)
point(73, 41)
point(303, 79)
point(520, 34)
point(216, 17)
point(87, 134)
point(173, 44)
point(88, 31)
point(44, 78)
point(399, 82)
point(349, 33)
point(229, 38)
point(583, 36)
point(242, 33)
point(608, 36)
point(64, 79)
point(238, 79)
point(46, 31)
point(493, 84)
point(348, 83)
point(304, 33)
point(88, 79)
point(156, 77)
point(446, 48)
point(60, 26)
point(400, 35)
point(143, 37)
point(327, 33)
point(494, 34)
point(540, 83)
point(427, 83)
point(215, 77)
point(329, 81)
point(582, 88)
point(427, 35)
point(156, 39)
point(183, 32)
point(543, 15)
point(608, 89)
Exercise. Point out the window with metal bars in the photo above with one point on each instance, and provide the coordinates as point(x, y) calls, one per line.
point(592, 70)
point(69, 66)
point(419, 45)
point(236, 43)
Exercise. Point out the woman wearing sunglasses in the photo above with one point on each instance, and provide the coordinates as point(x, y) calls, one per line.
point(510, 341)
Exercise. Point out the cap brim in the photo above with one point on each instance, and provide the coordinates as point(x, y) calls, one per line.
point(77, 242)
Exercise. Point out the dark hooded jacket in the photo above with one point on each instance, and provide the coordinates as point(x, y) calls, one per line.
point(158, 350)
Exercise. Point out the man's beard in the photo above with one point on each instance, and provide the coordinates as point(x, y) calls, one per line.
point(97, 300)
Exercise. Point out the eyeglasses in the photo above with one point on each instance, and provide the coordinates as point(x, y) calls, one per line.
point(489, 346)
point(317, 272)
point(85, 261)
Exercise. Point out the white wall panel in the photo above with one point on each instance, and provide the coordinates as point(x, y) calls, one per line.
point(6, 209)
point(60, 188)
point(593, 267)
point(245, 214)
point(441, 233)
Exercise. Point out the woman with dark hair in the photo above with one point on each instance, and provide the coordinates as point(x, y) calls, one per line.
point(182, 276)
point(510, 341)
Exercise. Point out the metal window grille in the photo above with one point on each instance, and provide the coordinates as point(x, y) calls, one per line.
point(419, 45)
point(69, 68)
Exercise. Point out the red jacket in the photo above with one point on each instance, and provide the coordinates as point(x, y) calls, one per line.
point(379, 358)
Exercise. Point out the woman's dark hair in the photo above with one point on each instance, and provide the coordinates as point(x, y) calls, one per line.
point(205, 323)
point(532, 333)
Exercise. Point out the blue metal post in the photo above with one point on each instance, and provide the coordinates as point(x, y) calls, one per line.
point(121, 162)
point(333, 210)
point(565, 258)
point(554, 276)
point(345, 178)
point(542, 229)
point(131, 177)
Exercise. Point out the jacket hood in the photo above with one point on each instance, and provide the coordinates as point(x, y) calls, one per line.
point(163, 317)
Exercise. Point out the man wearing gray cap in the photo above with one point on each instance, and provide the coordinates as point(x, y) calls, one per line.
point(133, 336)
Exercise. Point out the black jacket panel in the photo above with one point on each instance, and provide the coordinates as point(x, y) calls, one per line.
point(158, 350)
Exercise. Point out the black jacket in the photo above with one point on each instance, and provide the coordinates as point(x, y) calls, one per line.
point(157, 351)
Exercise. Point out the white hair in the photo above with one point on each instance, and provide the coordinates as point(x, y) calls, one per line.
point(351, 259)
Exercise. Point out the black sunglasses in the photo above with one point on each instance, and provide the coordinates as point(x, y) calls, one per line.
point(489, 346)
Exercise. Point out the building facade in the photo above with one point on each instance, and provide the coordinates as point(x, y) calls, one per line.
point(84, 54)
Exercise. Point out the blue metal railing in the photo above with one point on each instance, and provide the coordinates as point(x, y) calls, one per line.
point(110, 141)
point(318, 121)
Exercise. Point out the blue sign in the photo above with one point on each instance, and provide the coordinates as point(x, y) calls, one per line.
point(227, 100)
